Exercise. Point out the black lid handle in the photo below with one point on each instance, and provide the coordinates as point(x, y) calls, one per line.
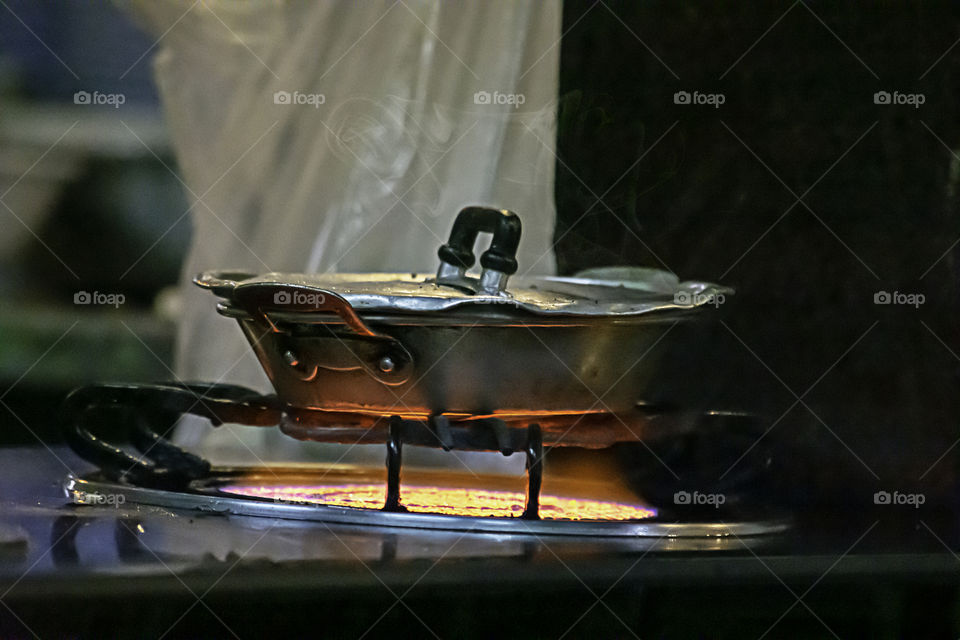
point(498, 262)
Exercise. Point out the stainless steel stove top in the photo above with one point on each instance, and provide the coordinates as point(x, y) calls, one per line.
point(150, 563)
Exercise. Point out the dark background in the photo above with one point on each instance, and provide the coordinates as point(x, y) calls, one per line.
point(682, 189)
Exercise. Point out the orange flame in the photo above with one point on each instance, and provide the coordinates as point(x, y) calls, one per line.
point(447, 501)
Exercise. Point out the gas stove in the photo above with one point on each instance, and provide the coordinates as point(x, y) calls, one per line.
point(192, 562)
point(167, 476)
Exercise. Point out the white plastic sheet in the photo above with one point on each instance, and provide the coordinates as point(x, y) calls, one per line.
point(344, 136)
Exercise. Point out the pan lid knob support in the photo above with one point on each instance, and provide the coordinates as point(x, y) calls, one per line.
point(499, 261)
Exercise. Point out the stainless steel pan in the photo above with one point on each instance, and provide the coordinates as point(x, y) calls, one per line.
point(452, 343)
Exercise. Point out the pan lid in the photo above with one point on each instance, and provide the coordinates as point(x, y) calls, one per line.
point(612, 291)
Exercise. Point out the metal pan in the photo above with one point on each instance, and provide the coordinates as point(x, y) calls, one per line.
point(416, 345)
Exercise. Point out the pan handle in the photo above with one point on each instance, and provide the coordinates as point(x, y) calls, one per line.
point(260, 298)
point(222, 283)
point(499, 262)
point(384, 357)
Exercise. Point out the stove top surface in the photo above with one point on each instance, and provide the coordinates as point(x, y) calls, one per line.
point(141, 553)
point(121, 537)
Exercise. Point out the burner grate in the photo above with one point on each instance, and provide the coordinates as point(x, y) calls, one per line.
point(153, 409)
point(166, 475)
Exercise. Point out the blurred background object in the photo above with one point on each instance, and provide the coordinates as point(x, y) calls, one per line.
point(88, 203)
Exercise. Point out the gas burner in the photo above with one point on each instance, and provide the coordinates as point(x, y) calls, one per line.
point(349, 495)
point(444, 500)
point(168, 476)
